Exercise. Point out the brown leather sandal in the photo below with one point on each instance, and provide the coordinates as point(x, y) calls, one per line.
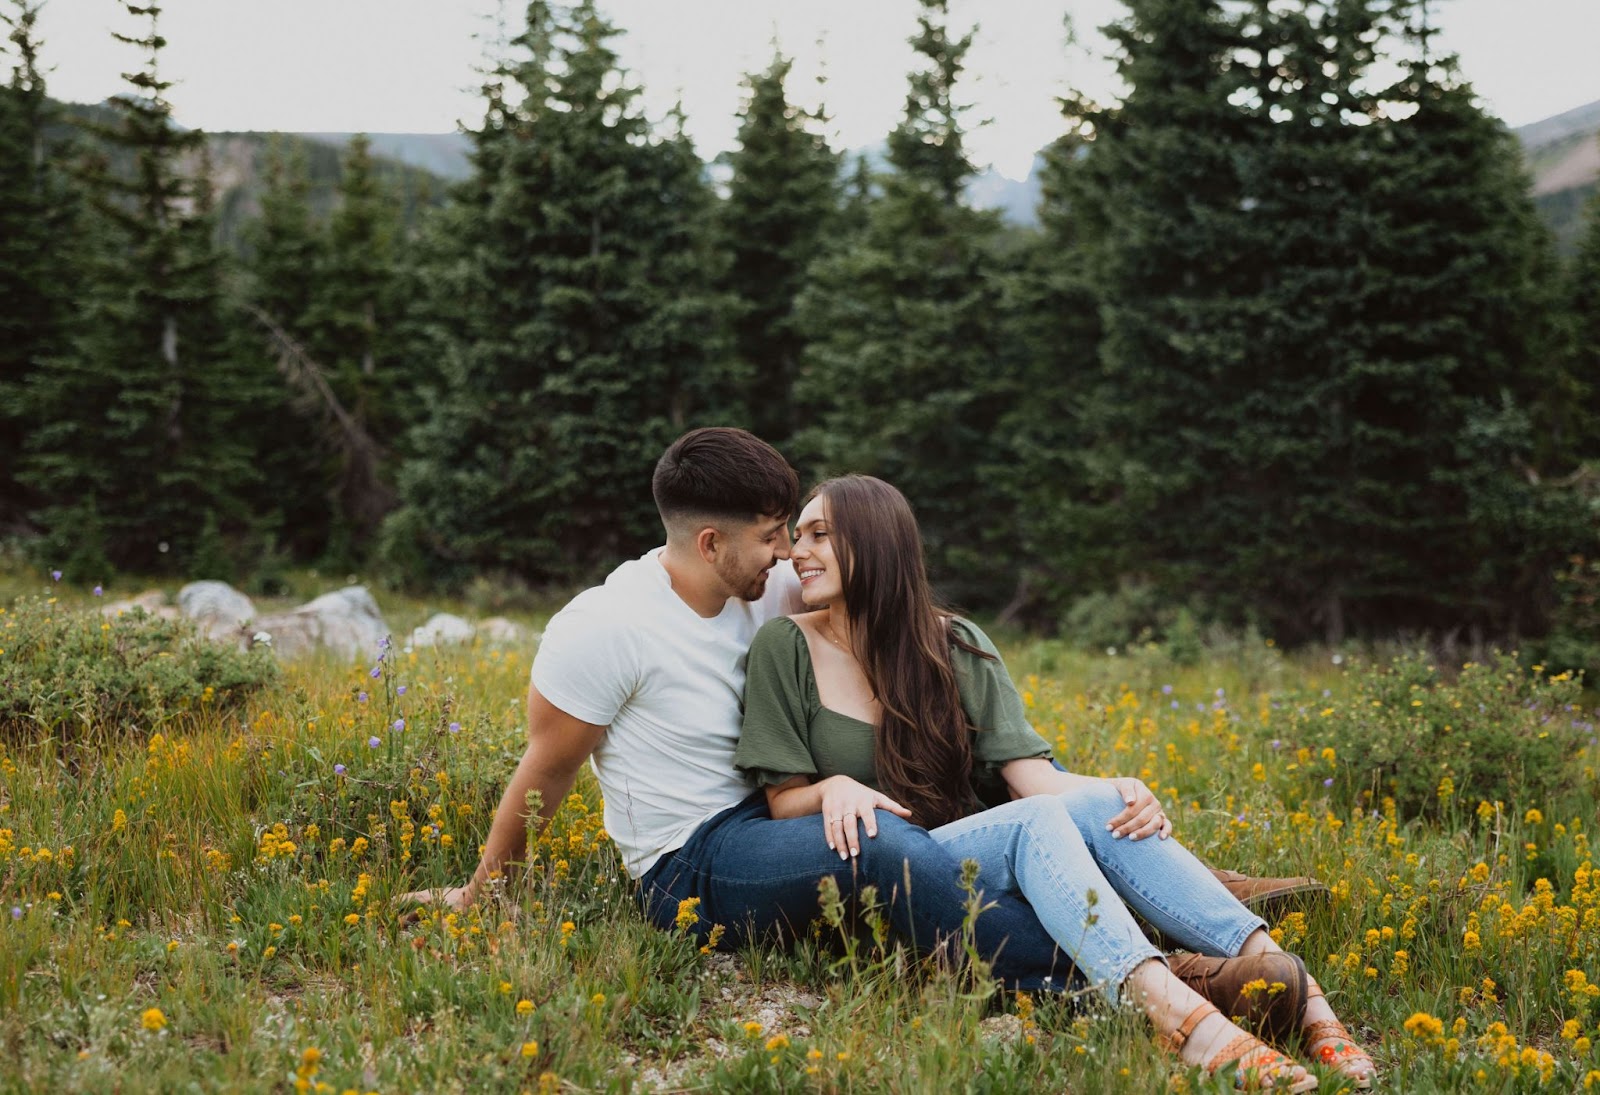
point(1266, 993)
point(1259, 1066)
point(1331, 1046)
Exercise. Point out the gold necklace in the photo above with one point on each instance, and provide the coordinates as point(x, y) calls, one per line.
point(828, 634)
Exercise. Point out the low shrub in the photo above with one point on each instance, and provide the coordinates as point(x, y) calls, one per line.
point(1498, 733)
point(69, 672)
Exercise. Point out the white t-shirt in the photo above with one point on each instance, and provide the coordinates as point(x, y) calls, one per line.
point(668, 685)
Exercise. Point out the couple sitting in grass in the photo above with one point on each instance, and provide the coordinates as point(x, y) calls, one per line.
point(757, 727)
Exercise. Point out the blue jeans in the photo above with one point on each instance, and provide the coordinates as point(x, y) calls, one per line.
point(1055, 851)
point(758, 878)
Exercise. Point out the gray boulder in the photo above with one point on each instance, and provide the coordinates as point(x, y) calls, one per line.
point(499, 631)
point(442, 629)
point(347, 623)
point(218, 610)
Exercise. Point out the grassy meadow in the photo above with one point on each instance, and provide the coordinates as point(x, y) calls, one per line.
point(197, 897)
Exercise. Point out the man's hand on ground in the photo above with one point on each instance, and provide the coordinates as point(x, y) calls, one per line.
point(454, 898)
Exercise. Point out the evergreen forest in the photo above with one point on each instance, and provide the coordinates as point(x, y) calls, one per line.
point(1289, 349)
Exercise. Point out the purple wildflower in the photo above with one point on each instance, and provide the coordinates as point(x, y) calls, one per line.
point(55, 575)
point(400, 691)
point(373, 743)
point(361, 697)
point(1174, 705)
point(399, 724)
point(455, 728)
point(377, 671)
point(1166, 690)
point(16, 912)
point(338, 769)
point(1328, 782)
point(99, 592)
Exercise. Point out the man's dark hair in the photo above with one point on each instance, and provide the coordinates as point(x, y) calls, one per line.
point(724, 473)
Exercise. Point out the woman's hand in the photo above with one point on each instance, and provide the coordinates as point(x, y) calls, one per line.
point(1143, 815)
point(844, 803)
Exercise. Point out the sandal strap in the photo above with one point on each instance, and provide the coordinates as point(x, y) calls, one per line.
point(1177, 1039)
point(1256, 1061)
point(1323, 1029)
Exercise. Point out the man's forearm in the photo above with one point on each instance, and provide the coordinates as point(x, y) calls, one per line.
point(506, 843)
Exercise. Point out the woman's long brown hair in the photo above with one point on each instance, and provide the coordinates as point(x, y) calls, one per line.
point(901, 636)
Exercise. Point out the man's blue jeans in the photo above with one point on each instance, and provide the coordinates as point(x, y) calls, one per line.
point(758, 878)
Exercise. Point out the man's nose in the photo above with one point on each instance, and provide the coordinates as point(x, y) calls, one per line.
point(783, 549)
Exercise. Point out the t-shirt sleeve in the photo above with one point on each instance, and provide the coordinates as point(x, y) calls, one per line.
point(992, 703)
point(773, 740)
point(588, 663)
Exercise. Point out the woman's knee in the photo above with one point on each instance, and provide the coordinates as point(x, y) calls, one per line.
point(1092, 803)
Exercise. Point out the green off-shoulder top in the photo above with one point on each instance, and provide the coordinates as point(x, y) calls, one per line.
point(787, 732)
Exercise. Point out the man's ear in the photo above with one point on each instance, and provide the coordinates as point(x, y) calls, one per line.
point(708, 541)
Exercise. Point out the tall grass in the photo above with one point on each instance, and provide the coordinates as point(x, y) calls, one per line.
point(209, 908)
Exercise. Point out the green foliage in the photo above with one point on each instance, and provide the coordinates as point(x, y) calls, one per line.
point(285, 263)
point(782, 204)
point(575, 324)
point(1498, 732)
point(40, 246)
point(145, 417)
point(70, 674)
point(904, 373)
point(1583, 307)
point(1573, 642)
point(1134, 612)
point(1305, 411)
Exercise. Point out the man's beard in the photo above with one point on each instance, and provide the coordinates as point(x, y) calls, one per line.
point(744, 586)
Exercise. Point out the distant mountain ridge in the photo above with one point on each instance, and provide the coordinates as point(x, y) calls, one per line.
point(1562, 151)
point(1563, 154)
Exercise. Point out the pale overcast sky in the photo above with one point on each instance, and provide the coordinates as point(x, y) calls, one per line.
point(407, 65)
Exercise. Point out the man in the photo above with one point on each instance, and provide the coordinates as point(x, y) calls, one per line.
point(644, 676)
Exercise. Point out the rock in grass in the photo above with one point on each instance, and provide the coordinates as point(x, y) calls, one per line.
point(443, 629)
point(218, 610)
point(346, 623)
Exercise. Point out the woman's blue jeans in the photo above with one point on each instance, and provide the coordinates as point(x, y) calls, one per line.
point(1056, 852)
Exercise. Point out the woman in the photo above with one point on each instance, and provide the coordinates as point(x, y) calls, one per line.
point(877, 700)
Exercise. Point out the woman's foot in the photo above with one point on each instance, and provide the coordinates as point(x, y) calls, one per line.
point(1330, 1045)
point(1207, 1040)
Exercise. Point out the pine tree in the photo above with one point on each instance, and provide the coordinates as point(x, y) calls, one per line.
point(285, 250)
point(585, 335)
point(1323, 342)
point(1583, 309)
point(351, 333)
point(1052, 342)
point(41, 246)
point(904, 368)
point(782, 200)
point(1156, 196)
point(1460, 359)
point(141, 433)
